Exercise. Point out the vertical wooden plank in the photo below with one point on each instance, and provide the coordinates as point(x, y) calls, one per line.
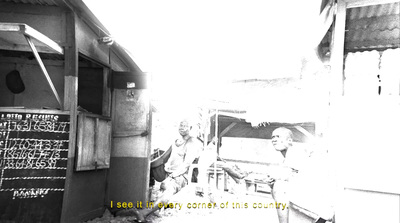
point(149, 121)
point(96, 142)
point(71, 64)
point(93, 142)
point(70, 98)
point(106, 92)
point(217, 137)
point(337, 50)
point(71, 79)
point(336, 86)
point(79, 136)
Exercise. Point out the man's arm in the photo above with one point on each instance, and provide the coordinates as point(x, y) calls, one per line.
point(193, 148)
point(296, 159)
point(168, 165)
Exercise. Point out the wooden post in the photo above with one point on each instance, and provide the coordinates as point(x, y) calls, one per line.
point(216, 157)
point(337, 50)
point(106, 92)
point(226, 130)
point(70, 99)
point(206, 126)
point(71, 79)
point(43, 68)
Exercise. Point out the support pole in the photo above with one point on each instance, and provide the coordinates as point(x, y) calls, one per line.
point(337, 51)
point(216, 157)
point(39, 60)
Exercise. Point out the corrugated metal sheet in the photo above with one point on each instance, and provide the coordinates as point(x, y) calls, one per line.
point(373, 11)
point(373, 27)
point(33, 2)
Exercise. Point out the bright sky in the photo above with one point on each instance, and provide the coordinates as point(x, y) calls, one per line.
point(208, 41)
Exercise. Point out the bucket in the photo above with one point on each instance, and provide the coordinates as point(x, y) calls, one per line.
point(158, 159)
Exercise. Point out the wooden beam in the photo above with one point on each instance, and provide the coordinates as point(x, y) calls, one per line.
point(40, 62)
point(42, 38)
point(24, 48)
point(106, 110)
point(216, 157)
point(304, 131)
point(70, 102)
point(337, 50)
point(226, 130)
point(71, 79)
point(48, 62)
point(95, 142)
point(32, 33)
point(248, 162)
point(363, 3)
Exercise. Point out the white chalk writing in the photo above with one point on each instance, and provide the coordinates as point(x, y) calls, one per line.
point(40, 144)
point(23, 193)
point(31, 153)
point(34, 126)
point(31, 141)
point(34, 178)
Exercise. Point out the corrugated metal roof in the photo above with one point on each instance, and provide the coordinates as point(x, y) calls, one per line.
point(33, 2)
point(373, 27)
point(79, 7)
point(373, 11)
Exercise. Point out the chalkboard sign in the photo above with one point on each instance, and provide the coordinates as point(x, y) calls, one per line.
point(33, 164)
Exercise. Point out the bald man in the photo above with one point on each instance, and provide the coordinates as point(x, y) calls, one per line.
point(282, 140)
point(184, 151)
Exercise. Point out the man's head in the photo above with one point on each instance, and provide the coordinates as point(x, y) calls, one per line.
point(282, 139)
point(184, 127)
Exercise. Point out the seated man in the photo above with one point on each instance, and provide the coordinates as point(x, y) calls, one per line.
point(184, 151)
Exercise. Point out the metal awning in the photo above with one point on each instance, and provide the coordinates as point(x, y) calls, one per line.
point(21, 37)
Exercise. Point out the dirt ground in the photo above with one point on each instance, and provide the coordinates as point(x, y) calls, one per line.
point(235, 205)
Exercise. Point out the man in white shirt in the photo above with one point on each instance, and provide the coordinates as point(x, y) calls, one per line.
point(298, 185)
point(282, 140)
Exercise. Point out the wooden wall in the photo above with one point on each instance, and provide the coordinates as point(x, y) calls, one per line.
point(37, 92)
point(85, 191)
point(87, 42)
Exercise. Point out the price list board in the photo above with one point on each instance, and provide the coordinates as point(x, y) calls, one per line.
point(33, 164)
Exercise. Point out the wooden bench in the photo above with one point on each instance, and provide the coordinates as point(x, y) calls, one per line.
point(252, 186)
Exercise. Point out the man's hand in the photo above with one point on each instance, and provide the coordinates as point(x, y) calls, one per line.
point(167, 168)
point(173, 175)
point(270, 181)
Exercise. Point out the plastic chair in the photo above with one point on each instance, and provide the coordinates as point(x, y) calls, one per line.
point(210, 172)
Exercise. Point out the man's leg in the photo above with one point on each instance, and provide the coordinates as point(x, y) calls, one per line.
point(301, 215)
point(279, 195)
point(166, 195)
point(283, 215)
point(171, 186)
point(207, 158)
